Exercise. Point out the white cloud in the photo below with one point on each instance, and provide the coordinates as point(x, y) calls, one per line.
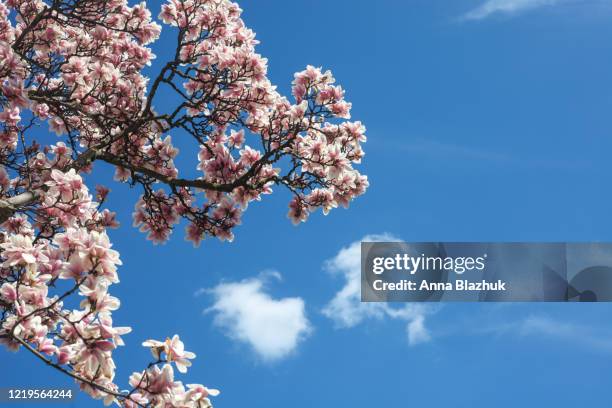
point(346, 308)
point(417, 333)
point(273, 328)
point(490, 7)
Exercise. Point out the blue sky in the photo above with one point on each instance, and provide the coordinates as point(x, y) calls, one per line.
point(487, 121)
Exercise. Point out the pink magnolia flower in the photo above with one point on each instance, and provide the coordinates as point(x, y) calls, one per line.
point(198, 394)
point(65, 184)
point(158, 381)
point(10, 116)
point(174, 350)
point(297, 211)
point(19, 250)
point(64, 354)
point(42, 110)
point(46, 346)
point(8, 292)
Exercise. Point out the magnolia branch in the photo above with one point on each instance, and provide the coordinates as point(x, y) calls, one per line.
point(80, 67)
point(69, 373)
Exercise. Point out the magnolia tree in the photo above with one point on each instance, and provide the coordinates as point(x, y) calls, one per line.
point(78, 66)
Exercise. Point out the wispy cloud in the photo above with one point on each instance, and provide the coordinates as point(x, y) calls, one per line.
point(245, 312)
point(491, 7)
point(454, 153)
point(346, 309)
point(545, 326)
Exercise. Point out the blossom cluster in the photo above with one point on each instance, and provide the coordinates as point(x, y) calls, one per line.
point(77, 67)
point(88, 84)
point(230, 107)
point(82, 339)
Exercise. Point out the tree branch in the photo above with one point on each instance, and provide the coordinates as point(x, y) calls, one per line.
point(69, 373)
